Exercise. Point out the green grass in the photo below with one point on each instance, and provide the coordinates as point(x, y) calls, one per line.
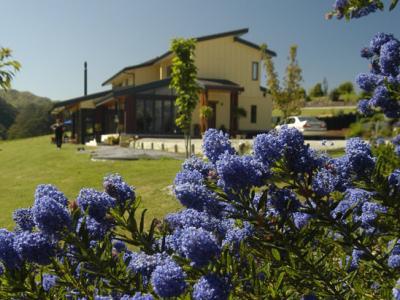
point(28, 162)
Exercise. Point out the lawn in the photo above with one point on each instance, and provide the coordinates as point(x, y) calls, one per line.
point(28, 162)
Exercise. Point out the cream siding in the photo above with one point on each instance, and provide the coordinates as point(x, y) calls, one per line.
point(219, 58)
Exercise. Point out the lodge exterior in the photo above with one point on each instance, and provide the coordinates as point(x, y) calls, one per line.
point(140, 101)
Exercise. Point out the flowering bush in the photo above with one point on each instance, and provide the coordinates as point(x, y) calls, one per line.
point(383, 81)
point(354, 9)
point(285, 222)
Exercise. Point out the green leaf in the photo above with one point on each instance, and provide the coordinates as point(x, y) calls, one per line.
point(393, 4)
point(276, 254)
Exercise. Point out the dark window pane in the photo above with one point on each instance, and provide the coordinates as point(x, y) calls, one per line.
point(149, 115)
point(167, 116)
point(140, 123)
point(253, 116)
point(158, 116)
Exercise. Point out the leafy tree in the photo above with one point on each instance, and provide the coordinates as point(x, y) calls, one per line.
point(346, 88)
point(325, 86)
point(287, 98)
point(183, 81)
point(8, 67)
point(334, 95)
point(316, 91)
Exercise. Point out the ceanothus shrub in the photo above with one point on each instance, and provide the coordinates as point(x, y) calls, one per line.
point(285, 222)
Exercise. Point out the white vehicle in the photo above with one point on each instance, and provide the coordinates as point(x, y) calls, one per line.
point(306, 125)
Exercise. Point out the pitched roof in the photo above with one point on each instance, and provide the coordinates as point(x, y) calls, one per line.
point(252, 45)
point(235, 33)
point(81, 98)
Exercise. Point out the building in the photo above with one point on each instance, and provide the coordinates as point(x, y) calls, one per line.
point(139, 101)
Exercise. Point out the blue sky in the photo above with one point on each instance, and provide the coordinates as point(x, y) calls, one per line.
point(52, 38)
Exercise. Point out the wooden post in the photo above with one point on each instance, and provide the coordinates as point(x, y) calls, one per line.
point(162, 147)
point(142, 146)
point(203, 102)
point(193, 149)
point(176, 148)
point(233, 113)
point(152, 146)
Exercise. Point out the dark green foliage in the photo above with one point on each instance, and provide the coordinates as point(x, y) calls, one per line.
point(24, 114)
point(7, 113)
point(345, 88)
point(184, 82)
point(32, 120)
point(316, 91)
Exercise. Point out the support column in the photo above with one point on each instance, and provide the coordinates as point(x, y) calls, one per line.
point(203, 102)
point(130, 114)
point(233, 113)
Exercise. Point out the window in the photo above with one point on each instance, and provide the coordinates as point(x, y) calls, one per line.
point(169, 71)
point(253, 116)
point(254, 70)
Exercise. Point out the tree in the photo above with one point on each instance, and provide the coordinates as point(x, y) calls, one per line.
point(8, 67)
point(184, 82)
point(316, 91)
point(325, 86)
point(346, 88)
point(287, 98)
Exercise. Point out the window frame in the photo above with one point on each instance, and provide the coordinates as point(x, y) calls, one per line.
point(253, 114)
point(255, 72)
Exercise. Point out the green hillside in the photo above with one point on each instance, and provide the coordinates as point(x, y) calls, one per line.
point(19, 99)
point(23, 114)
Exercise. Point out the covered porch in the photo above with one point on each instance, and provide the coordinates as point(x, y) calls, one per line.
point(149, 110)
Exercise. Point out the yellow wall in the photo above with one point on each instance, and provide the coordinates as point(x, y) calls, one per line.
point(226, 59)
point(140, 76)
point(223, 107)
point(220, 58)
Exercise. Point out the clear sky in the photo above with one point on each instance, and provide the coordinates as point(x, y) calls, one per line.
point(52, 38)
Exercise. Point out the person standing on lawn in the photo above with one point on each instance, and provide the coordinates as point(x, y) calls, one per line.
point(58, 128)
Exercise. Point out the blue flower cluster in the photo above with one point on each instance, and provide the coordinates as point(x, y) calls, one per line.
point(394, 258)
point(384, 77)
point(24, 219)
point(340, 6)
point(359, 203)
point(396, 143)
point(396, 291)
point(168, 279)
point(196, 244)
point(116, 187)
point(49, 215)
point(34, 247)
point(216, 143)
point(211, 287)
point(95, 203)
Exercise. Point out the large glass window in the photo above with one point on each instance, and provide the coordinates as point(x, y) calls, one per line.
point(140, 125)
point(158, 116)
point(155, 116)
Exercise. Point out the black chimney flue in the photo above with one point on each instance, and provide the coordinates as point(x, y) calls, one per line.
point(85, 78)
